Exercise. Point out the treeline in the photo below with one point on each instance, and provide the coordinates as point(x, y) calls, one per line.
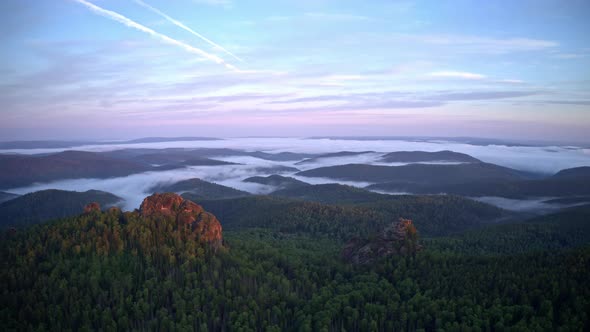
point(113, 272)
point(432, 215)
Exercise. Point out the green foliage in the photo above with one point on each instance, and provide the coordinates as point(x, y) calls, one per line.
point(195, 189)
point(45, 205)
point(432, 215)
point(565, 229)
point(107, 271)
point(330, 193)
point(418, 173)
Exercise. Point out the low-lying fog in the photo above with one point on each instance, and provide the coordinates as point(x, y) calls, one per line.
point(538, 205)
point(133, 188)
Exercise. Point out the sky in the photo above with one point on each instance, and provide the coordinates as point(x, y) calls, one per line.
point(104, 69)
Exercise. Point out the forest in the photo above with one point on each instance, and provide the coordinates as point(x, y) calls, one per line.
point(118, 271)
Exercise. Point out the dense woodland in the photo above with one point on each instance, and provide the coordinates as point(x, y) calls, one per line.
point(115, 271)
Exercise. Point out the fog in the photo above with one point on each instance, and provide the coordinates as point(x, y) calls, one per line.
point(135, 187)
point(542, 159)
point(536, 205)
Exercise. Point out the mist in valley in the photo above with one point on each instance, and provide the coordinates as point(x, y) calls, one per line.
point(133, 188)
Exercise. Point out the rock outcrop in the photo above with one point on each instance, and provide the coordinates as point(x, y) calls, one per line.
point(400, 238)
point(91, 207)
point(185, 212)
point(115, 210)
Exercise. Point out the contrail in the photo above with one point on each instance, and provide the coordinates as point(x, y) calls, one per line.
point(132, 24)
point(182, 26)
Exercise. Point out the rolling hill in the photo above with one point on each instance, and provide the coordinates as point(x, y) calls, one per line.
point(417, 173)
point(566, 183)
point(277, 181)
point(330, 193)
point(332, 155)
point(7, 196)
point(565, 229)
point(22, 170)
point(433, 215)
point(422, 156)
point(194, 189)
point(45, 205)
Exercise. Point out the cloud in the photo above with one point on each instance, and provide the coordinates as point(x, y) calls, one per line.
point(397, 99)
point(132, 24)
point(477, 44)
point(537, 206)
point(336, 16)
point(184, 27)
point(566, 102)
point(223, 3)
point(457, 74)
point(510, 81)
point(570, 55)
point(479, 95)
point(546, 159)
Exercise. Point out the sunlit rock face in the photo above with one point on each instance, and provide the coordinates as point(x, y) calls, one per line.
point(186, 213)
point(91, 207)
point(400, 238)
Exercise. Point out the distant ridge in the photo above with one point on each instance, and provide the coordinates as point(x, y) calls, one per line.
point(417, 173)
point(571, 185)
point(461, 139)
point(45, 205)
point(196, 188)
point(422, 156)
point(333, 155)
point(53, 144)
point(275, 180)
point(4, 196)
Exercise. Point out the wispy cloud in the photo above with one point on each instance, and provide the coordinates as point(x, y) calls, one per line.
point(457, 74)
point(337, 16)
point(223, 3)
point(479, 44)
point(570, 55)
point(397, 100)
point(186, 28)
point(510, 81)
point(479, 95)
point(132, 24)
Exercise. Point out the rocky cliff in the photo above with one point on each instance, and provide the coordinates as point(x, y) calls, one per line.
point(399, 238)
point(185, 212)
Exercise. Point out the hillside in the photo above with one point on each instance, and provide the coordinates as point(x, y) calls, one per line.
point(573, 173)
point(566, 183)
point(330, 193)
point(565, 229)
point(433, 215)
point(188, 153)
point(417, 173)
point(277, 181)
point(45, 205)
point(167, 276)
point(422, 156)
point(189, 158)
point(195, 188)
point(332, 155)
point(48, 144)
point(6, 196)
point(22, 170)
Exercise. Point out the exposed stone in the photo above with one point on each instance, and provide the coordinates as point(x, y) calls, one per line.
point(185, 212)
point(90, 207)
point(162, 204)
point(400, 238)
point(115, 210)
